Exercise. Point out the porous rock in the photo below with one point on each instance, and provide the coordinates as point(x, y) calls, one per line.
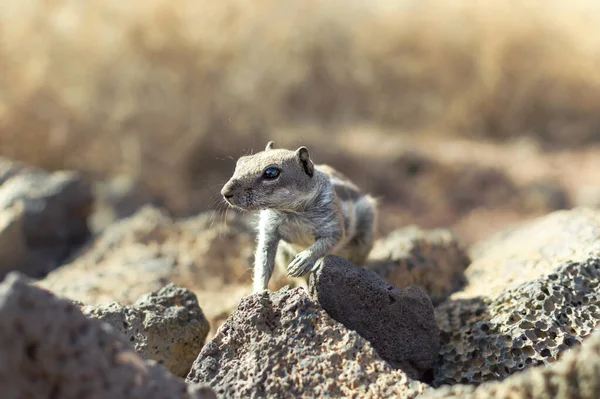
point(398, 322)
point(550, 271)
point(575, 375)
point(47, 214)
point(209, 254)
point(49, 349)
point(533, 249)
point(432, 260)
point(527, 325)
point(284, 345)
point(167, 326)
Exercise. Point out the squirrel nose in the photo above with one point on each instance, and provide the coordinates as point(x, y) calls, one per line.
point(226, 192)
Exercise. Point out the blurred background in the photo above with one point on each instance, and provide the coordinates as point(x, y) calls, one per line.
point(465, 114)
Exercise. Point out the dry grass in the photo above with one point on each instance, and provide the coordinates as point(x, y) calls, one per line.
point(162, 89)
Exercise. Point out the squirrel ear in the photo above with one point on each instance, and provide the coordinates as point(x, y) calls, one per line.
point(270, 146)
point(304, 157)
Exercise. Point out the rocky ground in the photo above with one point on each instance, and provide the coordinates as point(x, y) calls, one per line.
point(125, 301)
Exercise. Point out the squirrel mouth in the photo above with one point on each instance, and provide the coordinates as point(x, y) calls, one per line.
point(237, 206)
point(229, 201)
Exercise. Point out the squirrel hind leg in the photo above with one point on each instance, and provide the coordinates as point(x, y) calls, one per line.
point(358, 248)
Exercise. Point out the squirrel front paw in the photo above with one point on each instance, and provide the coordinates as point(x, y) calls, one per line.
point(301, 265)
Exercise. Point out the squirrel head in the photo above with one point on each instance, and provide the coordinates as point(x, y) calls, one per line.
point(271, 179)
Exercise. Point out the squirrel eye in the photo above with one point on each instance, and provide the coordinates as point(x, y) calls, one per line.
point(271, 173)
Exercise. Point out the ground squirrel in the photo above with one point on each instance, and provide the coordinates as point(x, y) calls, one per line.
point(306, 211)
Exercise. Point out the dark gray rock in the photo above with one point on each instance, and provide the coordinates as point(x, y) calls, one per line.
point(167, 326)
point(51, 210)
point(49, 349)
point(432, 260)
point(283, 345)
point(399, 323)
point(13, 244)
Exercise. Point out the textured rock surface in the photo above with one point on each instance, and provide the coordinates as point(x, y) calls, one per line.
point(206, 254)
point(550, 269)
point(167, 326)
point(575, 376)
point(527, 325)
point(399, 323)
point(284, 345)
point(532, 250)
point(43, 214)
point(49, 349)
point(432, 260)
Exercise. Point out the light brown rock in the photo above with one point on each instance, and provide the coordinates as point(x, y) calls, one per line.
point(209, 254)
point(167, 326)
point(432, 260)
point(283, 345)
point(575, 376)
point(533, 293)
point(49, 349)
point(531, 324)
point(532, 250)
